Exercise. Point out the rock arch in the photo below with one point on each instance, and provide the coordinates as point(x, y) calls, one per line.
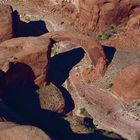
point(90, 45)
point(32, 51)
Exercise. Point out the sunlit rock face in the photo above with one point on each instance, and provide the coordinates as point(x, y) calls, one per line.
point(102, 13)
point(127, 84)
point(11, 131)
point(32, 51)
point(6, 23)
point(75, 2)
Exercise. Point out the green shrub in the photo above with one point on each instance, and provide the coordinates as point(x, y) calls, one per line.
point(109, 33)
point(138, 104)
point(84, 112)
point(110, 85)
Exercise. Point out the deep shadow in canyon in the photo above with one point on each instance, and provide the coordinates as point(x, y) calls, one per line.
point(60, 66)
point(109, 52)
point(21, 92)
point(30, 28)
point(21, 96)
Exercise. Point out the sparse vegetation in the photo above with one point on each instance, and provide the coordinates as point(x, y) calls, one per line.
point(85, 113)
point(138, 104)
point(109, 33)
point(55, 49)
point(91, 130)
point(110, 85)
point(77, 15)
point(27, 18)
point(109, 112)
point(110, 134)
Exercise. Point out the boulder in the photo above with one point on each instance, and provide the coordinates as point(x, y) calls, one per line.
point(6, 23)
point(127, 84)
point(11, 131)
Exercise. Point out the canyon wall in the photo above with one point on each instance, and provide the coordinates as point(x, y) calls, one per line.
point(75, 2)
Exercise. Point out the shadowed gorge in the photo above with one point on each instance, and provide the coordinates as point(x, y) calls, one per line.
point(69, 70)
point(30, 28)
point(21, 96)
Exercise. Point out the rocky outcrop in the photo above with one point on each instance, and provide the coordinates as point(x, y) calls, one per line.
point(104, 106)
point(11, 131)
point(77, 124)
point(106, 109)
point(51, 98)
point(32, 51)
point(128, 38)
point(6, 22)
point(127, 84)
point(91, 46)
point(102, 13)
point(97, 17)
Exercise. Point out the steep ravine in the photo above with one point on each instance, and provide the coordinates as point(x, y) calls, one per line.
point(100, 116)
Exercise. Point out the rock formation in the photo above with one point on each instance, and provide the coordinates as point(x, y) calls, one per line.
point(105, 13)
point(33, 51)
point(107, 108)
point(127, 84)
point(116, 21)
point(25, 61)
point(11, 131)
point(51, 98)
point(128, 38)
point(91, 46)
point(6, 22)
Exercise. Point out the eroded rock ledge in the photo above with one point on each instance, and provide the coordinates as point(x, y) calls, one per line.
point(109, 107)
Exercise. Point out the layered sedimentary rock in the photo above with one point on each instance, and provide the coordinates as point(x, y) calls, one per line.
point(102, 13)
point(6, 22)
point(52, 99)
point(32, 51)
point(127, 84)
point(35, 52)
point(91, 46)
point(11, 131)
point(128, 39)
point(98, 16)
point(108, 110)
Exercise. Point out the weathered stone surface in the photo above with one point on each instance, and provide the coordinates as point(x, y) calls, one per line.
point(6, 23)
point(91, 46)
point(51, 98)
point(77, 124)
point(127, 84)
point(128, 39)
point(102, 13)
point(32, 51)
point(106, 108)
point(11, 131)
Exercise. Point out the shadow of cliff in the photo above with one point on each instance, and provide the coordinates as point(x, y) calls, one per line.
point(30, 28)
point(21, 96)
point(109, 52)
point(60, 66)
